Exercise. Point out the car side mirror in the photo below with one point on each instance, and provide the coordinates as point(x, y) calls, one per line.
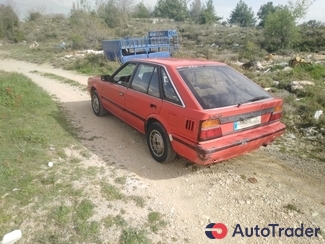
point(105, 77)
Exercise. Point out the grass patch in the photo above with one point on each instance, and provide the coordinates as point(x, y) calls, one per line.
point(29, 126)
point(34, 131)
point(61, 79)
point(134, 236)
point(155, 221)
point(117, 220)
point(291, 207)
point(85, 209)
point(110, 192)
point(62, 214)
point(93, 64)
point(139, 201)
point(120, 180)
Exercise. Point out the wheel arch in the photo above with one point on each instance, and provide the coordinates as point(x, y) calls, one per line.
point(149, 122)
point(152, 119)
point(92, 89)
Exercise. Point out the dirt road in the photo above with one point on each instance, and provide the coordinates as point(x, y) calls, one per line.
point(289, 191)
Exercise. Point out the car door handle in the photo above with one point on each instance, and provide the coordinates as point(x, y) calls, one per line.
point(153, 106)
point(121, 94)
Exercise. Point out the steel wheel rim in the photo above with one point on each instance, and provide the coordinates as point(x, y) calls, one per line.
point(156, 142)
point(95, 104)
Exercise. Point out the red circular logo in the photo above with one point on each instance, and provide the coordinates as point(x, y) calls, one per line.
point(216, 231)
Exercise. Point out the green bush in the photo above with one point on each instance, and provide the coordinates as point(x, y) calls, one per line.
point(93, 64)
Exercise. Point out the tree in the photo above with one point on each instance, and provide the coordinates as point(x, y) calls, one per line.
point(195, 10)
point(280, 29)
point(126, 8)
point(141, 11)
point(242, 15)
point(9, 22)
point(208, 14)
point(264, 10)
point(314, 36)
point(109, 13)
point(87, 27)
point(172, 9)
point(299, 8)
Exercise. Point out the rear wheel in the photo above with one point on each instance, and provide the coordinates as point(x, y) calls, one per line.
point(96, 105)
point(159, 145)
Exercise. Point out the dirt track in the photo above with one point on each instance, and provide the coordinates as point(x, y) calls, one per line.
point(190, 196)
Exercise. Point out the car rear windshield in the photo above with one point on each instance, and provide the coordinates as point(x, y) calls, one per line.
point(221, 86)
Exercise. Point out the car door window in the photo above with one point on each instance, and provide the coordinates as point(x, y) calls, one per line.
point(154, 84)
point(124, 75)
point(142, 77)
point(169, 91)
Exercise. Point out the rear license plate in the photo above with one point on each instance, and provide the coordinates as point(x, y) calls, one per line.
point(238, 125)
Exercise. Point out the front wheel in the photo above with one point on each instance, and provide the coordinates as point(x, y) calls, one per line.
point(96, 105)
point(159, 145)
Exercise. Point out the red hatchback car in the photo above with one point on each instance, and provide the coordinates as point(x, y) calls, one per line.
point(203, 110)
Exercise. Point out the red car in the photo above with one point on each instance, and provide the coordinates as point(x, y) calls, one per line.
point(203, 110)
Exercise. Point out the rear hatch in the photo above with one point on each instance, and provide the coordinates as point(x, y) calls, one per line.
point(233, 120)
point(232, 102)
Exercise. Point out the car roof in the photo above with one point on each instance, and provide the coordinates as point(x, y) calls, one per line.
point(178, 62)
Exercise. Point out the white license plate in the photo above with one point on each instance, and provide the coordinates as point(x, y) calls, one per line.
point(238, 125)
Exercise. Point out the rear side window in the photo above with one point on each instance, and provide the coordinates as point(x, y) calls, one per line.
point(220, 86)
point(154, 84)
point(168, 89)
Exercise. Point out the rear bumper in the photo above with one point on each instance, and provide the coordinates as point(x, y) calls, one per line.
point(229, 146)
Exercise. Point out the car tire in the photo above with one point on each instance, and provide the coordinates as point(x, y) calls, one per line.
point(159, 144)
point(96, 105)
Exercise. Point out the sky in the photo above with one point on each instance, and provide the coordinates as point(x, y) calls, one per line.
point(223, 7)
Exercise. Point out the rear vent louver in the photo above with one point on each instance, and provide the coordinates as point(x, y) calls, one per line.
point(189, 125)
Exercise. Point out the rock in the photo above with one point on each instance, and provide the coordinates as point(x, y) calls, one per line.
point(11, 237)
point(276, 83)
point(318, 114)
point(252, 180)
point(288, 69)
point(269, 57)
point(319, 57)
point(295, 61)
point(314, 214)
point(298, 85)
point(303, 83)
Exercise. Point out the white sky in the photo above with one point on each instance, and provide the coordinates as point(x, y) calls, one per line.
point(223, 7)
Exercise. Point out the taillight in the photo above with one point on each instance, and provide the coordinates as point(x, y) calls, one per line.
point(210, 129)
point(276, 114)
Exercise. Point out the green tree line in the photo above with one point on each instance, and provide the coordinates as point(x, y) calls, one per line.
point(279, 23)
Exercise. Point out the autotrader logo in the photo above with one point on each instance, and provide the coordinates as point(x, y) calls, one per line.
point(216, 231)
point(220, 231)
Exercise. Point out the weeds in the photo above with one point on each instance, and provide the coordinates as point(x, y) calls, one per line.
point(110, 192)
point(291, 207)
point(120, 180)
point(155, 221)
point(93, 64)
point(134, 236)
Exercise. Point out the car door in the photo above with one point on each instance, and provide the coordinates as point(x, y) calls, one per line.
point(143, 97)
point(113, 91)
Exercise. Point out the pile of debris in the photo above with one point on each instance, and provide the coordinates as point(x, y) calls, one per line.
point(81, 53)
point(273, 61)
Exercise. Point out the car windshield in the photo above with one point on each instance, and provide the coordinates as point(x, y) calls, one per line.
point(221, 86)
